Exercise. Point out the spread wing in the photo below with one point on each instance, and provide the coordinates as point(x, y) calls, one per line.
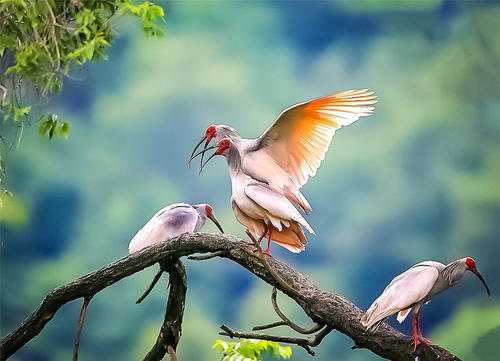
point(405, 290)
point(300, 137)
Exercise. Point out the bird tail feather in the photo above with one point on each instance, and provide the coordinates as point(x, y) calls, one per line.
point(379, 311)
point(292, 238)
point(402, 314)
point(298, 199)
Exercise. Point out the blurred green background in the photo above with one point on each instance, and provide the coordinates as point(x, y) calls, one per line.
point(418, 180)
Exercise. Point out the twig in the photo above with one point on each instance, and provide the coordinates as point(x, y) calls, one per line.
point(268, 267)
point(151, 285)
point(269, 325)
point(305, 343)
point(69, 28)
point(53, 34)
point(207, 256)
point(290, 323)
point(320, 336)
point(302, 342)
point(37, 38)
point(81, 319)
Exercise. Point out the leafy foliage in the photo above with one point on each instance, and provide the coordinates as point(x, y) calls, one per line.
point(41, 40)
point(53, 126)
point(251, 350)
point(47, 36)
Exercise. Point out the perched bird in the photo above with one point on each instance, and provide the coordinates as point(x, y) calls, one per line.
point(291, 150)
point(171, 221)
point(265, 211)
point(416, 286)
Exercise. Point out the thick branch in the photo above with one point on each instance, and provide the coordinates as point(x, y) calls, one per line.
point(170, 332)
point(330, 309)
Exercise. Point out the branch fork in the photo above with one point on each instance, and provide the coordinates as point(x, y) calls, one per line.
point(329, 309)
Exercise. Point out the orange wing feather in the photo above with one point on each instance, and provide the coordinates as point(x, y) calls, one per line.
point(300, 137)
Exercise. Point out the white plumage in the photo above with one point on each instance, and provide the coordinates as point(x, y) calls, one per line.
point(281, 161)
point(415, 287)
point(171, 221)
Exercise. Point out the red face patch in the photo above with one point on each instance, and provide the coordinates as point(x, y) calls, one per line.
point(470, 263)
point(223, 145)
point(208, 210)
point(210, 133)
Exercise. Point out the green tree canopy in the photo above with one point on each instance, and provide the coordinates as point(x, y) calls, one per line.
point(41, 40)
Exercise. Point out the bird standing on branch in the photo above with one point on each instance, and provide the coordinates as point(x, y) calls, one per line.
point(263, 210)
point(415, 287)
point(280, 162)
point(173, 220)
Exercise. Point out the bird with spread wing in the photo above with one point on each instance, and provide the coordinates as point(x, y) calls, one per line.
point(267, 173)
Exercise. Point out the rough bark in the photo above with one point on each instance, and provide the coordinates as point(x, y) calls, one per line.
point(170, 331)
point(330, 309)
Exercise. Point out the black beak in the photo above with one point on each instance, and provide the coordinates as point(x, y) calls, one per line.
point(201, 152)
point(213, 155)
point(194, 150)
point(216, 223)
point(476, 272)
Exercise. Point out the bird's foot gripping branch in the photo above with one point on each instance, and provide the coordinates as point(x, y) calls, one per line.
point(329, 311)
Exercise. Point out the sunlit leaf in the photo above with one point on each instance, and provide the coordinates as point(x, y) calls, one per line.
point(251, 350)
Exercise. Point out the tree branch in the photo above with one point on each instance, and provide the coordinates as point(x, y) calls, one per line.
point(81, 319)
point(170, 331)
point(269, 325)
point(330, 309)
point(156, 278)
point(302, 342)
point(288, 322)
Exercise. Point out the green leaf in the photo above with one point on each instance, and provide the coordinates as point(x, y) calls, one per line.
point(43, 54)
point(52, 126)
point(251, 350)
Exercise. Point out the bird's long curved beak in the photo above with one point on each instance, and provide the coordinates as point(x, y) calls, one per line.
point(207, 142)
point(201, 152)
point(195, 148)
point(213, 155)
point(476, 272)
point(212, 217)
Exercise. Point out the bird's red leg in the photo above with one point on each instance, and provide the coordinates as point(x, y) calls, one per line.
point(262, 235)
point(419, 333)
point(414, 322)
point(267, 251)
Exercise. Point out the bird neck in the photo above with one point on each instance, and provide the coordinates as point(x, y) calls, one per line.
point(200, 222)
point(454, 272)
point(233, 158)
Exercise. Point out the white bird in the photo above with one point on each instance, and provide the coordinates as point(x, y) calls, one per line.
point(415, 287)
point(292, 148)
point(171, 221)
point(265, 211)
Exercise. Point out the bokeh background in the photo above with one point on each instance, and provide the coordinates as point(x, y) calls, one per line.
point(418, 180)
